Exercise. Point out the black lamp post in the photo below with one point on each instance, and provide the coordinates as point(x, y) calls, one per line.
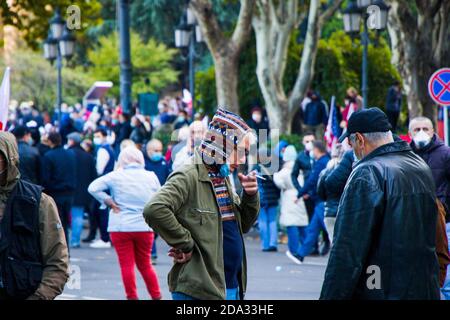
point(352, 16)
point(59, 44)
point(186, 34)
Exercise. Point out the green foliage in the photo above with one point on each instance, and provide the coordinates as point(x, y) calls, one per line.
point(150, 60)
point(248, 86)
point(32, 17)
point(293, 139)
point(337, 67)
point(33, 78)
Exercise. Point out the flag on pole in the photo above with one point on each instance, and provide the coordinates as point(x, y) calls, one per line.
point(4, 100)
point(333, 130)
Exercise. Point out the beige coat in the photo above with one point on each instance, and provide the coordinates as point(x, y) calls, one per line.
point(292, 214)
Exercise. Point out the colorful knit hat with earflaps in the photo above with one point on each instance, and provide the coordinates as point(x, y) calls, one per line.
point(225, 131)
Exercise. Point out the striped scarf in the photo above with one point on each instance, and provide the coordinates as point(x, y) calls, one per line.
point(222, 194)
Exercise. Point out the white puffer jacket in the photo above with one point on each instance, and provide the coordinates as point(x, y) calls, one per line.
point(292, 214)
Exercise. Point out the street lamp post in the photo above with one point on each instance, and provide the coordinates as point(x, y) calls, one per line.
point(59, 44)
point(186, 35)
point(125, 55)
point(363, 10)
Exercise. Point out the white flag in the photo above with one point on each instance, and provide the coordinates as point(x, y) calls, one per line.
point(4, 100)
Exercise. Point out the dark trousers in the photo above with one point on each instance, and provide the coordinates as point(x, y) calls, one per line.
point(393, 118)
point(98, 219)
point(64, 205)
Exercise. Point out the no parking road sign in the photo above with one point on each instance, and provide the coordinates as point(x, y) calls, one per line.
point(439, 87)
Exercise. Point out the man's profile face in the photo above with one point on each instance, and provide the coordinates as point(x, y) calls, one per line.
point(424, 126)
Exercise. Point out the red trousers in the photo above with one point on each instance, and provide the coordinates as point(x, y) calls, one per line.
point(134, 248)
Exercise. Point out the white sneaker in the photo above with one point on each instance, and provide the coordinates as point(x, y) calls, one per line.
point(100, 244)
point(293, 257)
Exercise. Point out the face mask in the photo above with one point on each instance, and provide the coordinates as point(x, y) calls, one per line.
point(256, 117)
point(115, 121)
point(98, 141)
point(180, 119)
point(224, 170)
point(30, 141)
point(421, 139)
point(309, 146)
point(157, 156)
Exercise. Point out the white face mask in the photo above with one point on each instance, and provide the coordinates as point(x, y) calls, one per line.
point(309, 146)
point(421, 139)
point(257, 117)
point(98, 141)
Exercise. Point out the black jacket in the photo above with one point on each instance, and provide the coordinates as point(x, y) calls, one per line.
point(332, 183)
point(437, 156)
point(303, 162)
point(386, 222)
point(59, 172)
point(86, 173)
point(29, 162)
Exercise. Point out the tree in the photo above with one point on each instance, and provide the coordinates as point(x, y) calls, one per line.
point(150, 60)
point(33, 78)
point(273, 23)
point(32, 18)
point(224, 50)
point(419, 31)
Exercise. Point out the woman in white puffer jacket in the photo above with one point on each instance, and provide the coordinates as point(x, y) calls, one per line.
point(293, 214)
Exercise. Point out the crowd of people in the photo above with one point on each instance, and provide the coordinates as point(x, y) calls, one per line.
point(97, 162)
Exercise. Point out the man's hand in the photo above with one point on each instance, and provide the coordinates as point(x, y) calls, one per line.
point(249, 183)
point(179, 256)
point(110, 203)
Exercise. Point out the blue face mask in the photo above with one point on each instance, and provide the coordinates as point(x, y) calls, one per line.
point(224, 170)
point(156, 157)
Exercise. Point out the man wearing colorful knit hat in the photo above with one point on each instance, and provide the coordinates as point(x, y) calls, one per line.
point(200, 216)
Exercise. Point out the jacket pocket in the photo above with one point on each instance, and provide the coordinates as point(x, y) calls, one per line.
point(22, 277)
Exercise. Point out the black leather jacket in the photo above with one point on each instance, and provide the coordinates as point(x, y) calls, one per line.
point(386, 222)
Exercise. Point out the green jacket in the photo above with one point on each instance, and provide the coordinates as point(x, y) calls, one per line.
point(186, 215)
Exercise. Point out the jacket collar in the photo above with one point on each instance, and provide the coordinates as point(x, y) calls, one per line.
point(396, 146)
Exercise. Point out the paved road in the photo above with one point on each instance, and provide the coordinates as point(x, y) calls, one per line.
point(271, 275)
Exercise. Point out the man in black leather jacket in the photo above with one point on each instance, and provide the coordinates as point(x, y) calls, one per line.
point(385, 232)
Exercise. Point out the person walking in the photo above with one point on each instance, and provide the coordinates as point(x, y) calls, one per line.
point(198, 214)
point(293, 214)
point(303, 165)
point(394, 104)
point(315, 115)
point(59, 178)
point(130, 188)
point(34, 259)
point(309, 190)
point(385, 233)
point(331, 185)
point(86, 173)
point(30, 160)
point(269, 201)
point(155, 162)
point(104, 164)
point(427, 145)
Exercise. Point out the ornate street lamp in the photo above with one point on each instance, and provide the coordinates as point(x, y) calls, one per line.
point(187, 33)
point(67, 44)
point(352, 16)
point(59, 44)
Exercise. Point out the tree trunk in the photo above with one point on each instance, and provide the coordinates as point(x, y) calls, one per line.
point(227, 73)
point(420, 46)
point(273, 23)
point(225, 51)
